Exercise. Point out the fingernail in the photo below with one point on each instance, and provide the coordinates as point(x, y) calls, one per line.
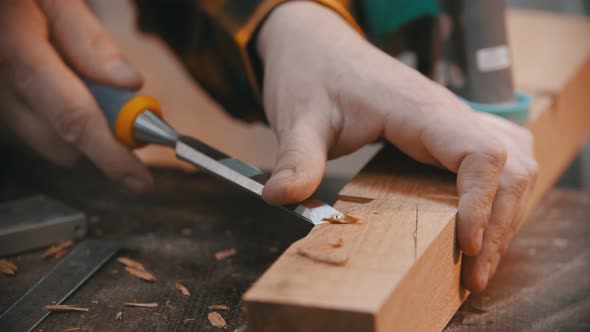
point(485, 276)
point(136, 184)
point(479, 239)
point(122, 71)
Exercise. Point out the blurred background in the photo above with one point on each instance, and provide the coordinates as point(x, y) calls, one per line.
point(190, 110)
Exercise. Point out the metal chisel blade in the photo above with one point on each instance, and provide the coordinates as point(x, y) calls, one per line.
point(246, 177)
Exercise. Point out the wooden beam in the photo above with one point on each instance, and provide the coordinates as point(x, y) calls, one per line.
point(403, 266)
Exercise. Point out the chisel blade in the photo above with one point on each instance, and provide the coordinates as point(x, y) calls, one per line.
point(246, 177)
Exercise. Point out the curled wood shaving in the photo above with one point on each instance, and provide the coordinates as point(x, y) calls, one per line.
point(57, 248)
point(7, 267)
point(142, 305)
point(344, 219)
point(182, 289)
point(77, 328)
point(143, 275)
point(131, 263)
point(223, 254)
point(338, 244)
point(219, 307)
point(217, 320)
point(64, 307)
point(119, 316)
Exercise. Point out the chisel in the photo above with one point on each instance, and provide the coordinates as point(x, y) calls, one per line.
point(137, 120)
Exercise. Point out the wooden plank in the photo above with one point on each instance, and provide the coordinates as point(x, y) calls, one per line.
point(403, 270)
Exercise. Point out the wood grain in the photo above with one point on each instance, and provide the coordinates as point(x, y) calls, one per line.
point(403, 269)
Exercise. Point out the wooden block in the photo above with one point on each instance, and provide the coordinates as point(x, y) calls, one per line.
point(403, 267)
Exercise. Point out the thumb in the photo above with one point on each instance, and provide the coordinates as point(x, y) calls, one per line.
point(300, 165)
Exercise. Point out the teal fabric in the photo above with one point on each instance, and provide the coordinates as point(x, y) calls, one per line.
point(384, 16)
point(517, 111)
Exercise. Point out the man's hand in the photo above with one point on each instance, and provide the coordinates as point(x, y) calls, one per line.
point(328, 92)
point(43, 102)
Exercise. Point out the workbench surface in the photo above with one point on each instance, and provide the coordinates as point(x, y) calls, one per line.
point(543, 283)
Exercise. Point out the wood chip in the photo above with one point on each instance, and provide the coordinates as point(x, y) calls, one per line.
point(61, 253)
point(119, 316)
point(223, 254)
point(344, 219)
point(182, 289)
point(143, 275)
point(338, 244)
point(64, 307)
point(217, 320)
point(77, 328)
point(560, 242)
point(218, 307)
point(56, 248)
point(142, 305)
point(131, 263)
point(332, 257)
point(7, 267)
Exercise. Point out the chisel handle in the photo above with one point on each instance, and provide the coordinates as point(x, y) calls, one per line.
point(121, 107)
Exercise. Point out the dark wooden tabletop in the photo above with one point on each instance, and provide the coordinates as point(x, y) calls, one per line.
point(543, 283)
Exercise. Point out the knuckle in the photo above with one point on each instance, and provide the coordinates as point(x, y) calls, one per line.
point(495, 154)
point(71, 123)
point(518, 182)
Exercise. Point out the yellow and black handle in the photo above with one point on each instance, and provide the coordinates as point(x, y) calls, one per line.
point(121, 108)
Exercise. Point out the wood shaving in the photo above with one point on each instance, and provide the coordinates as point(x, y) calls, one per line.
point(223, 254)
point(560, 242)
point(77, 328)
point(219, 307)
point(61, 253)
point(143, 275)
point(7, 267)
point(119, 316)
point(142, 305)
point(64, 307)
point(344, 219)
point(217, 320)
point(338, 244)
point(57, 248)
point(131, 263)
point(182, 289)
point(323, 256)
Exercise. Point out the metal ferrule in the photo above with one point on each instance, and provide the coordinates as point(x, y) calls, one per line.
point(149, 128)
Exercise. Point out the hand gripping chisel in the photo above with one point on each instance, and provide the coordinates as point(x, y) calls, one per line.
point(137, 120)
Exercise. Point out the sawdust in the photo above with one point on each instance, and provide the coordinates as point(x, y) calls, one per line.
point(58, 249)
point(182, 289)
point(218, 307)
point(217, 320)
point(224, 254)
point(143, 275)
point(64, 307)
point(344, 219)
point(119, 316)
point(142, 305)
point(7, 267)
